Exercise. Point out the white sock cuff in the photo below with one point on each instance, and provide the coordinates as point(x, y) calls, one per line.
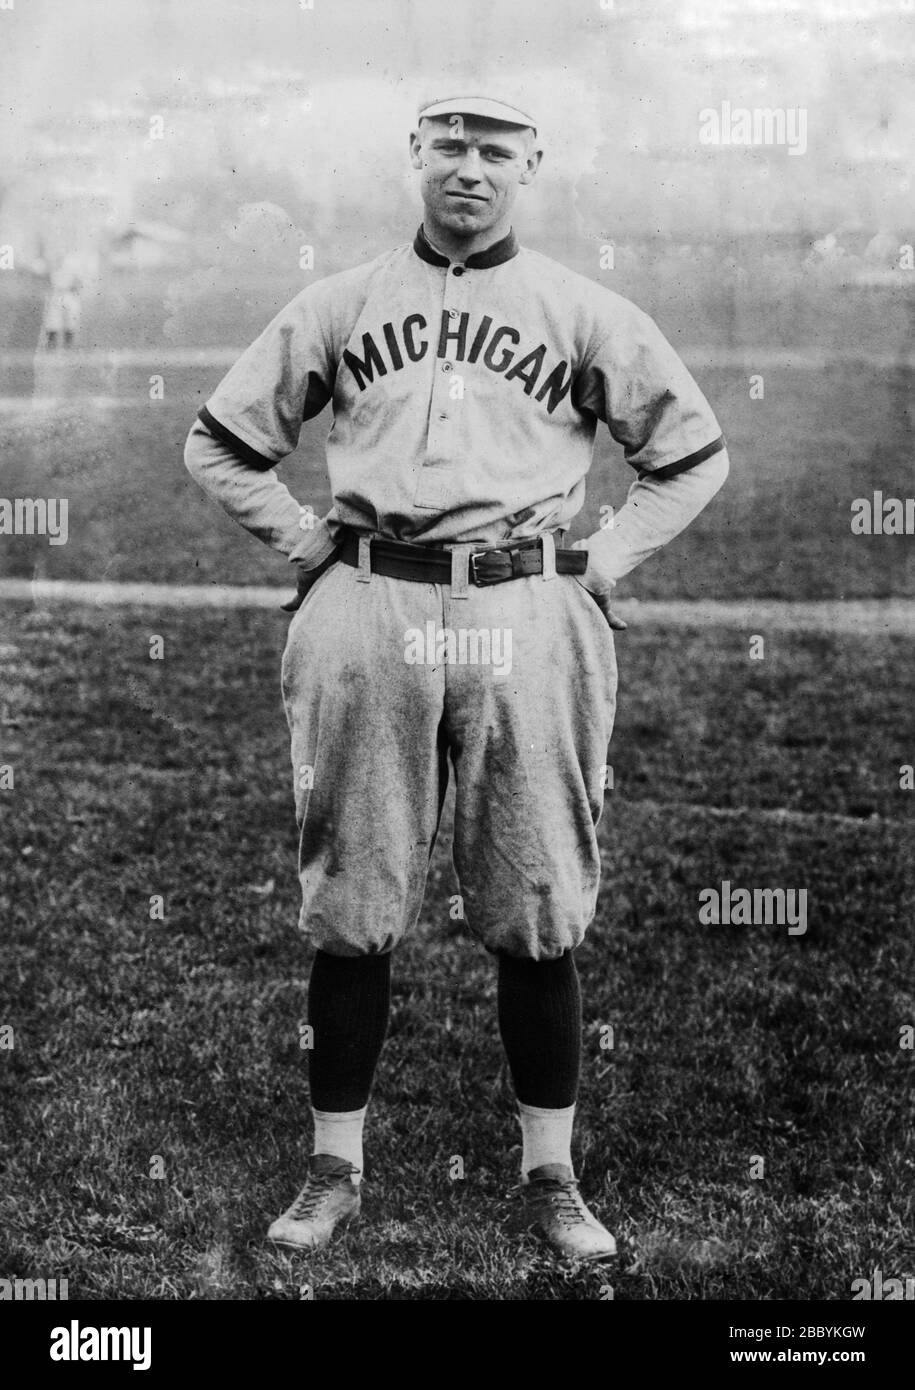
point(537, 1113)
point(339, 1117)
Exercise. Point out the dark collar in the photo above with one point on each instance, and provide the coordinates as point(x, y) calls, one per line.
point(496, 254)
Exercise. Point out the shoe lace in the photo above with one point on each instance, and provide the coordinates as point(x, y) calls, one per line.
point(564, 1201)
point(315, 1192)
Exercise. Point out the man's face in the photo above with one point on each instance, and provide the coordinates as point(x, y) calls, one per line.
point(471, 170)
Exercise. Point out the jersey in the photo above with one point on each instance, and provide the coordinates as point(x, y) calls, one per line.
point(466, 395)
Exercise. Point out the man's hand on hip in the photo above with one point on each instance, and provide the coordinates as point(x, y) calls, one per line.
point(306, 578)
point(601, 599)
point(603, 602)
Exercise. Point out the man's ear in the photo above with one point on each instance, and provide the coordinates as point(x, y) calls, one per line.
point(532, 164)
point(416, 149)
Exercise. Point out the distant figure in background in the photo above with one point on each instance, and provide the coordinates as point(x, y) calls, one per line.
point(60, 323)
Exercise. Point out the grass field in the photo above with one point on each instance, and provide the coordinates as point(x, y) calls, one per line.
point(179, 1039)
point(137, 1038)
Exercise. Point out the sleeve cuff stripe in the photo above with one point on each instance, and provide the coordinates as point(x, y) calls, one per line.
point(670, 470)
point(243, 450)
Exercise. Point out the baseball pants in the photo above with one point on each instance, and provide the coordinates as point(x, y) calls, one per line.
point(386, 679)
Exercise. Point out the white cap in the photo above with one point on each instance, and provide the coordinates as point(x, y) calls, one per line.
point(489, 107)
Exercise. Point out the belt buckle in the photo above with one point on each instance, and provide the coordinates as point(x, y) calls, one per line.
point(483, 580)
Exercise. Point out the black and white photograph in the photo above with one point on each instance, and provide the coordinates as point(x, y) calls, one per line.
point(457, 698)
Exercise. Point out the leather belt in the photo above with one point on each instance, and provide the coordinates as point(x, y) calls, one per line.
point(432, 564)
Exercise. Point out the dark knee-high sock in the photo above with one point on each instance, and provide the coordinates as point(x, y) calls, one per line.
point(540, 1022)
point(349, 1000)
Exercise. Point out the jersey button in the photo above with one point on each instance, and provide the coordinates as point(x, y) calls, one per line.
point(457, 270)
point(446, 367)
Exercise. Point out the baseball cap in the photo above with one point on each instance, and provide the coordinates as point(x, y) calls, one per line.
point(492, 108)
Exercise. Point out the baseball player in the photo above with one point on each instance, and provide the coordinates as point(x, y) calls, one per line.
point(440, 616)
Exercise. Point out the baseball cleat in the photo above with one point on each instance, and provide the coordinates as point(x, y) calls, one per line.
point(556, 1210)
point(329, 1199)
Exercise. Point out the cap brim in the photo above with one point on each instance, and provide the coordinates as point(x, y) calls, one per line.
point(479, 106)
